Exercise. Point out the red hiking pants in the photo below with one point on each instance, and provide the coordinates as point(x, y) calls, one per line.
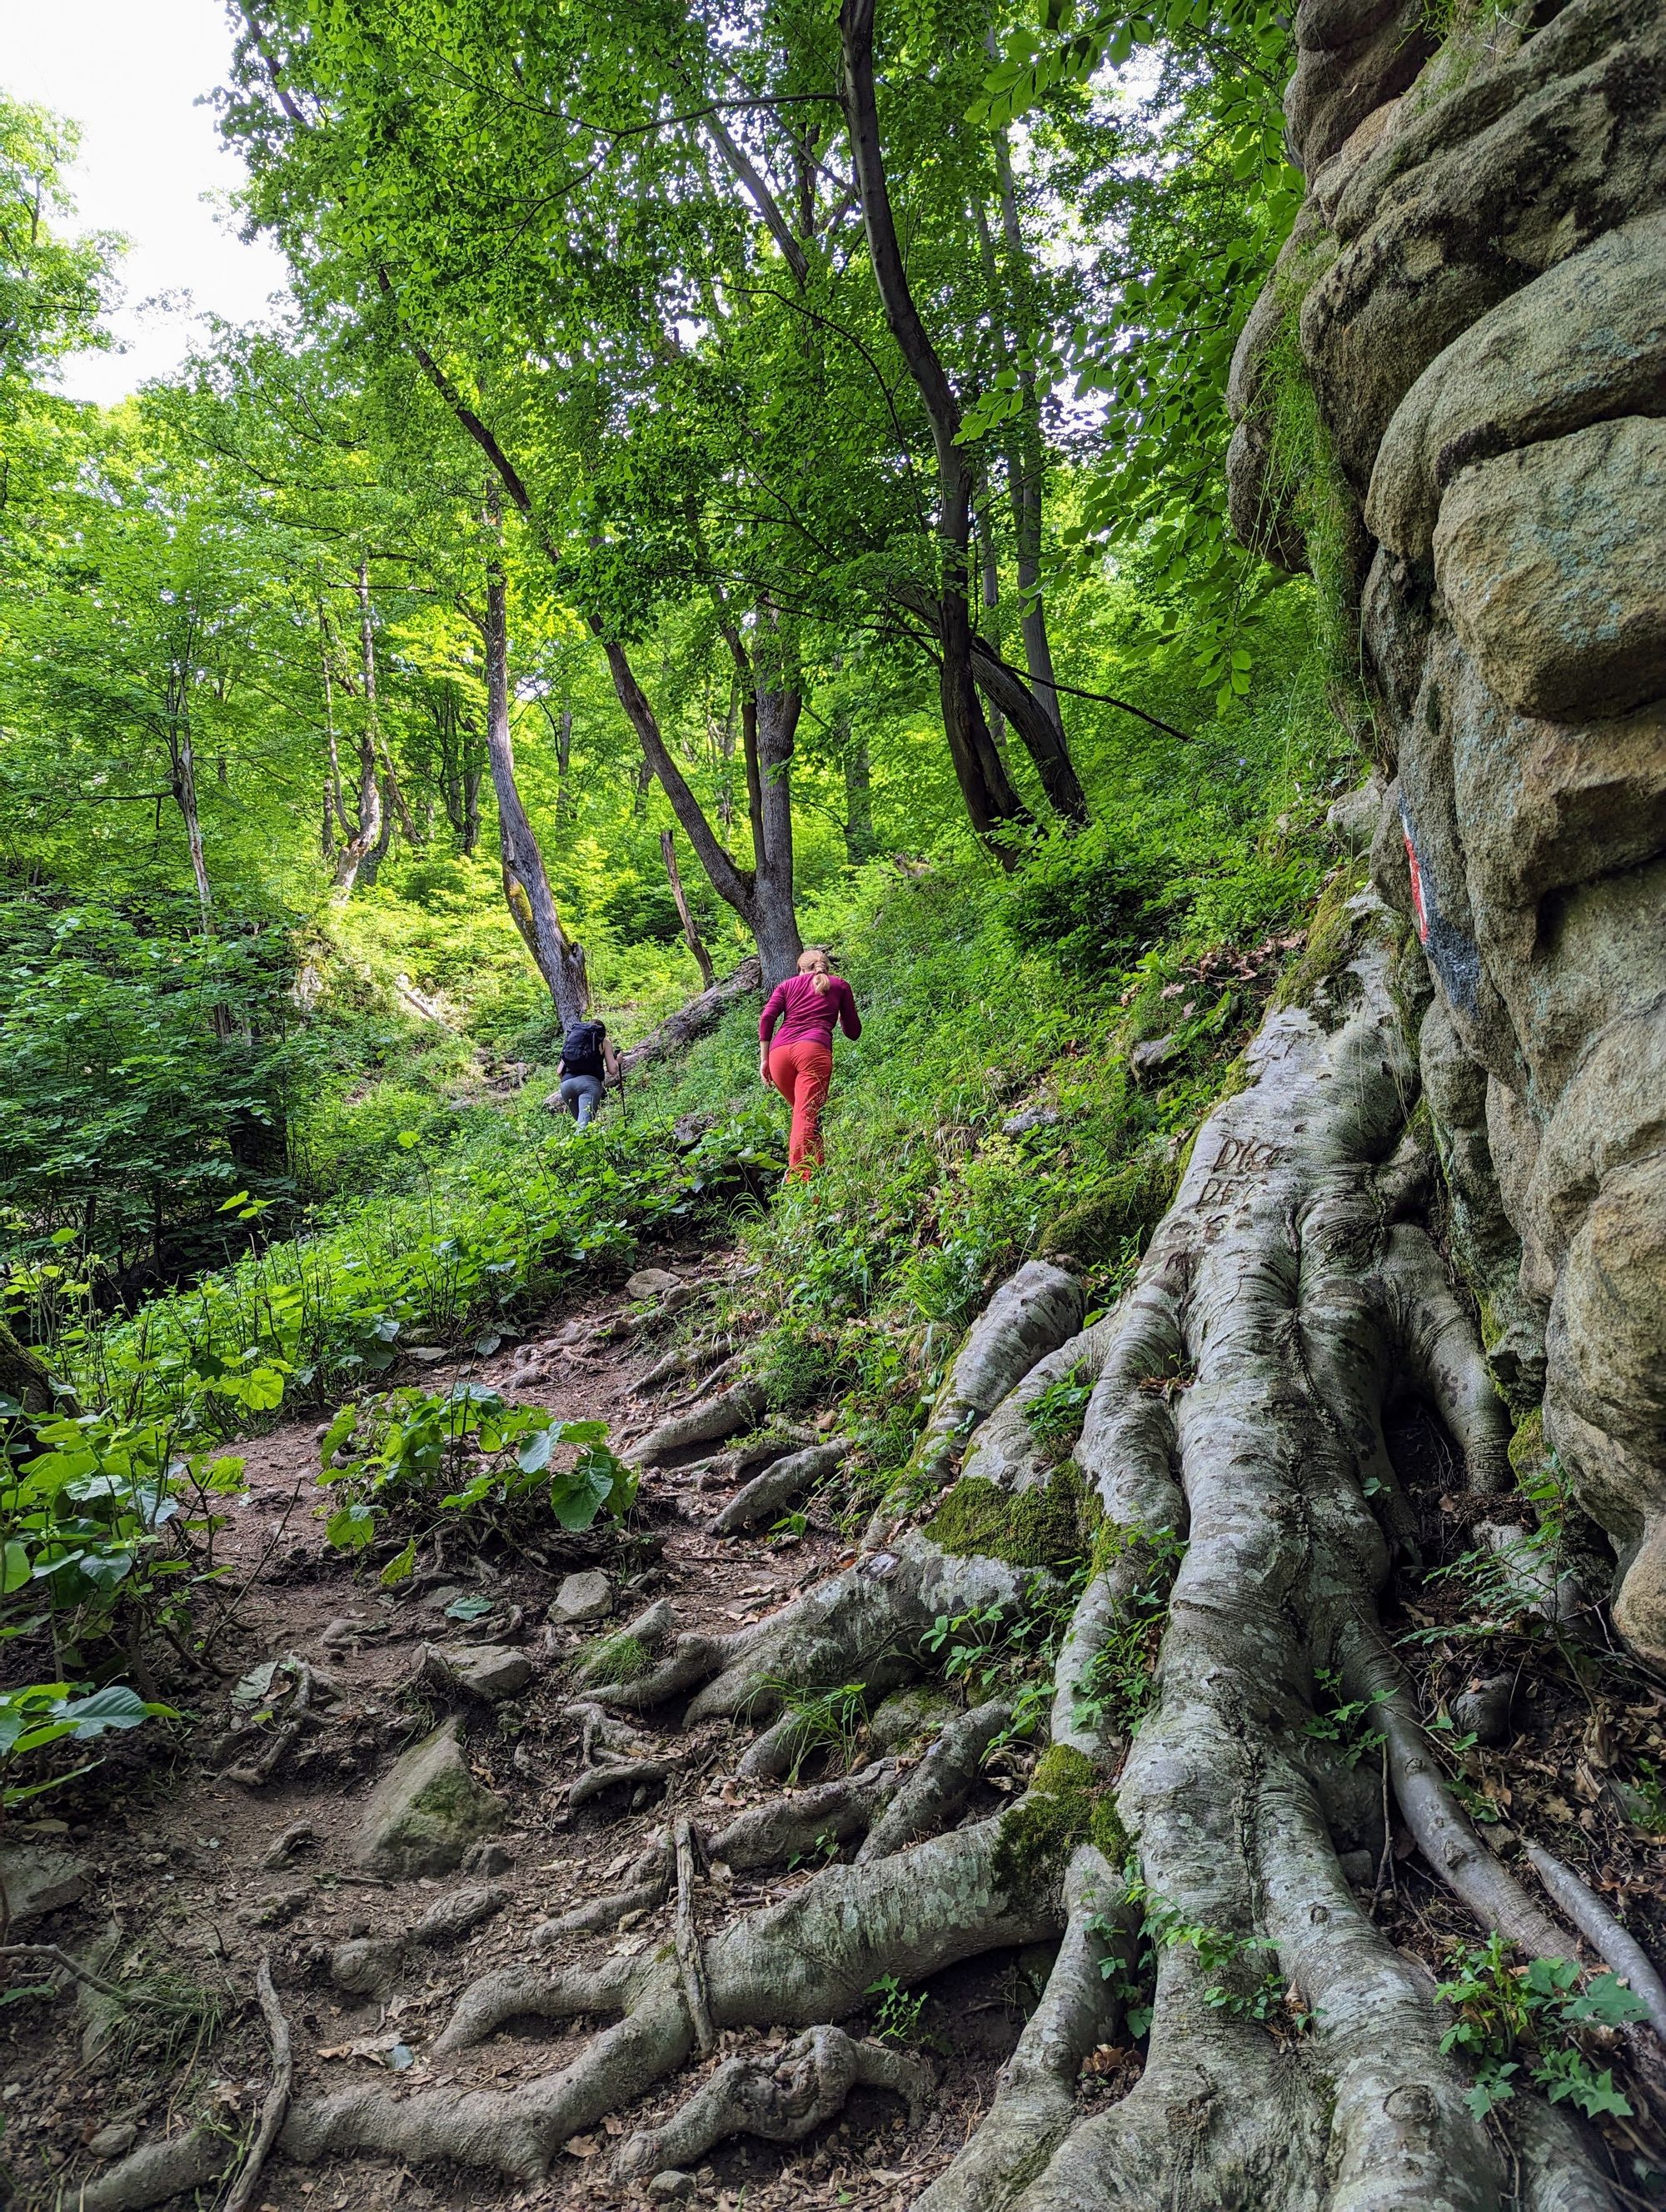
point(802, 1072)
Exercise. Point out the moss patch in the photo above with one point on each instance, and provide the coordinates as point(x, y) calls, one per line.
point(1065, 1804)
point(1526, 1446)
point(1129, 1203)
point(1330, 937)
point(1041, 1528)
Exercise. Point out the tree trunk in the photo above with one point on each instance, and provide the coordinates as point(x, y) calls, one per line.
point(526, 885)
point(859, 844)
point(563, 766)
point(690, 934)
point(991, 800)
point(1025, 461)
point(368, 844)
point(183, 777)
point(776, 925)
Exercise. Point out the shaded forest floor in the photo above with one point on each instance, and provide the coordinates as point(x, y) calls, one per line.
point(195, 1876)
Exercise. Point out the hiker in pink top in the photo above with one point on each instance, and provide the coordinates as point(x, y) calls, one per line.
point(800, 1062)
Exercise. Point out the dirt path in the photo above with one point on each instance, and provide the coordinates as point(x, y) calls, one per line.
point(196, 1876)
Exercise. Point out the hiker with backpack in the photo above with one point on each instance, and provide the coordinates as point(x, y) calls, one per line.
point(799, 1060)
point(587, 1065)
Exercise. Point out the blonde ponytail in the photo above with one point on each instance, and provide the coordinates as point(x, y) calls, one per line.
point(823, 981)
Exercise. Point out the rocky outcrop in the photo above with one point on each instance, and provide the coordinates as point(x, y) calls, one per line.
point(1477, 288)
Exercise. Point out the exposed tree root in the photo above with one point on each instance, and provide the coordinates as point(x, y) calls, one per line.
point(771, 1833)
point(796, 1964)
point(649, 1884)
point(1617, 1949)
point(241, 2196)
point(781, 2099)
point(784, 1479)
point(1027, 1318)
point(707, 1422)
point(1242, 1495)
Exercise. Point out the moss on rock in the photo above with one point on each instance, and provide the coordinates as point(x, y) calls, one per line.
point(1330, 936)
point(1067, 1803)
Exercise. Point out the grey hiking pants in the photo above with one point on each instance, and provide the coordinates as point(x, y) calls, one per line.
point(582, 1095)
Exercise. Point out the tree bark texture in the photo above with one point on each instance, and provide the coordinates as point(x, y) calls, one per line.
point(525, 881)
point(990, 797)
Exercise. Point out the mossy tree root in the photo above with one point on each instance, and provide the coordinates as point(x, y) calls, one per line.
point(1239, 1404)
point(799, 1964)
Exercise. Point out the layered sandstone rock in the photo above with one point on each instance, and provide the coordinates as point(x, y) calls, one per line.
point(1477, 287)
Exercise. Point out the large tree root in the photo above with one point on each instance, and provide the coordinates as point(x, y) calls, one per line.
point(781, 2099)
point(797, 1964)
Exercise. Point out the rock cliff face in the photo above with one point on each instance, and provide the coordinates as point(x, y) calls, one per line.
point(1476, 293)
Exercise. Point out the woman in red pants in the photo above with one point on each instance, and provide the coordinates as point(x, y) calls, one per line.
point(800, 1061)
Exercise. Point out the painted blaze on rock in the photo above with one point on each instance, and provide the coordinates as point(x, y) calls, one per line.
point(1476, 280)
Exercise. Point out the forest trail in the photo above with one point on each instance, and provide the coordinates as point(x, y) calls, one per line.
point(193, 1876)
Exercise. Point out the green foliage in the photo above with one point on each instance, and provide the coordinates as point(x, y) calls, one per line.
point(618, 1658)
point(799, 1365)
point(1054, 1415)
point(1331, 937)
point(1507, 2013)
point(107, 1527)
point(1241, 1992)
point(42, 1714)
point(816, 1721)
point(500, 1225)
point(145, 1074)
point(897, 2014)
point(1113, 1221)
point(1119, 1681)
point(465, 1457)
point(1091, 902)
point(1346, 1722)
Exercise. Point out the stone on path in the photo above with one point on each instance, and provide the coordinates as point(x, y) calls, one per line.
point(587, 1595)
point(423, 1814)
point(490, 1671)
point(653, 1283)
point(40, 1880)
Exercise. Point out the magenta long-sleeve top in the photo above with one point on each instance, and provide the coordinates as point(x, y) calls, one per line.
point(807, 1015)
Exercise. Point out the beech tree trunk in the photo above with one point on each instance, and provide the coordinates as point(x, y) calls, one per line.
point(1025, 468)
point(370, 836)
point(690, 935)
point(991, 798)
point(526, 884)
point(860, 843)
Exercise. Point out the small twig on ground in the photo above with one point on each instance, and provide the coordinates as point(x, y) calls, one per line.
point(241, 2194)
point(688, 1942)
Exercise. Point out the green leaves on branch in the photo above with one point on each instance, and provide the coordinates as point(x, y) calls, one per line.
point(1069, 43)
point(110, 1520)
point(46, 1713)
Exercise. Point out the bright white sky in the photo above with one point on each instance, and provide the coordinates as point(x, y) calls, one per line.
point(152, 165)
